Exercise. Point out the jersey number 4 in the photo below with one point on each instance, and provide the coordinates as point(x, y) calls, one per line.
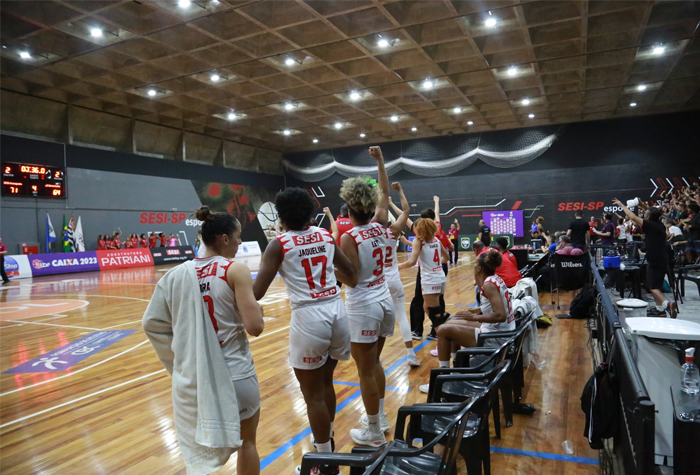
point(314, 261)
point(436, 257)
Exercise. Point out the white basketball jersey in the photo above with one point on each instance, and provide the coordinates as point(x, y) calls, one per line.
point(391, 267)
point(430, 261)
point(307, 266)
point(509, 324)
point(371, 243)
point(220, 305)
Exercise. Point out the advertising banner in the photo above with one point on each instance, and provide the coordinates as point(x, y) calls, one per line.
point(123, 258)
point(466, 240)
point(249, 248)
point(63, 263)
point(71, 354)
point(168, 255)
point(17, 267)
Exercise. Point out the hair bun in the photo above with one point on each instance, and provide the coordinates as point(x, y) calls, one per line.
point(493, 259)
point(204, 214)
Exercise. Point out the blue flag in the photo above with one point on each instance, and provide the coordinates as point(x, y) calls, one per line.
point(50, 233)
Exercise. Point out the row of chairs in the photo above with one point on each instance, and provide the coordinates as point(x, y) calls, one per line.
point(455, 416)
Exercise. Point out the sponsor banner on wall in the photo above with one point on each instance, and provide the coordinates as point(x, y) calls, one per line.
point(168, 255)
point(249, 248)
point(123, 258)
point(63, 263)
point(466, 240)
point(17, 267)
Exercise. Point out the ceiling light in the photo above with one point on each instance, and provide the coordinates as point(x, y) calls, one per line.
point(289, 62)
point(338, 125)
point(24, 55)
point(184, 3)
point(427, 84)
point(457, 110)
point(471, 122)
point(96, 32)
point(532, 116)
point(490, 22)
point(394, 118)
point(526, 102)
point(289, 106)
point(383, 43)
point(642, 87)
point(215, 77)
point(231, 116)
point(633, 104)
point(315, 141)
point(354, 95)
point(658, 49)
point(413, 129)
point(362, 135)
point(512, 71)
point(152, 92)
point(287, 132)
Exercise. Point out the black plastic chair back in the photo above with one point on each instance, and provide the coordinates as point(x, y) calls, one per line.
point(570, 272)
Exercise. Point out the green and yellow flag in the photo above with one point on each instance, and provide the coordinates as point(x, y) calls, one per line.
point(66, 236)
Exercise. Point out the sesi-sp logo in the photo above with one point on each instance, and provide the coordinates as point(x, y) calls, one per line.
point(39, 264)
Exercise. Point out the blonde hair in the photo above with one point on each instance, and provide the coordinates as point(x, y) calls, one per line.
point(426, 229)
point(361, 197)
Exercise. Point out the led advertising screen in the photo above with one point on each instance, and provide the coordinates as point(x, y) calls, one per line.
point(505, 222)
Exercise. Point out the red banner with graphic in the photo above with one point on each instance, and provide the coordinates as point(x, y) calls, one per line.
point(123, 258)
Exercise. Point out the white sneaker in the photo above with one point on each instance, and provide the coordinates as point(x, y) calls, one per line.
point(365, 436)
point(412, 361)
point(313, 440)
point(424, 388)
point(383, 422)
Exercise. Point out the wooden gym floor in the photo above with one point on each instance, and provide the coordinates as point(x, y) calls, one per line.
point(111, 413)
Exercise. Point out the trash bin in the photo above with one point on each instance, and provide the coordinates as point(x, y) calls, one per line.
point(631, 308)
point(658, 345)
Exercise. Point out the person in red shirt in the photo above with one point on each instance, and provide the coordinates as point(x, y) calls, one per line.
point(128, 243)
point(453, 233)
point(101, 245)
point(117, 241)
point(343, 222)
point(3, 251)
point(134, 240)
point(502, 247)
point(108, 242)
point(162, 239)
point(507, 270)
point(153, 239)
point(143, 242)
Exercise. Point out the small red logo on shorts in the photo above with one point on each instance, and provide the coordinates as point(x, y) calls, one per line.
point(437, 287)
point(315, 359)
point(369, 332)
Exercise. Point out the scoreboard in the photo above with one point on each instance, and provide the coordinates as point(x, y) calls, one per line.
point(37, 181)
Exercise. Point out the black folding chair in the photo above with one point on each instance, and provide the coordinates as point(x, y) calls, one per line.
point(360, 462)
point(568, 273)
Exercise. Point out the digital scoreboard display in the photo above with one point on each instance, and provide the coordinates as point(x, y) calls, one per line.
point(505, 222)
point(37, 181)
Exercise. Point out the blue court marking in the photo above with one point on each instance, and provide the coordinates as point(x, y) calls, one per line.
point(390, 388)
point(277, 453)
point(545, 455)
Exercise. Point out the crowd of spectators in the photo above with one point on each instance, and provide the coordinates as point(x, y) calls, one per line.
point(133, 241)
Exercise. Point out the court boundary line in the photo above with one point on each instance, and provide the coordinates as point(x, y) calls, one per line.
point(52, 325)
point(73, 372)
point(67, 403)
point(545, 455)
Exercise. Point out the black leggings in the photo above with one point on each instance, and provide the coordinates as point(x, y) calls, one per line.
point(416, 311)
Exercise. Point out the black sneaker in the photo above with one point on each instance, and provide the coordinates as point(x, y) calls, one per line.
point(672, 309)
point(416, 336)
point(431, 337)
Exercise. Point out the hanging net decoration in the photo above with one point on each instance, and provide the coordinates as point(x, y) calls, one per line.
point(503, 149)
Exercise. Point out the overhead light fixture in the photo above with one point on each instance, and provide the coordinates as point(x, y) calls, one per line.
point(428, 84)
point(394, 118)
point(289, 106)
point(471, 122)
point(491, 21)
point(287, 132)
point(642, 87)
point(658, 49)
point(532, 116)
point(354, 95)
point(231, 116)
point(338, 125)
point(96, 32)
point(362, 135)
point(526, 102)
point(152, 92)
point(289, 62)
point(24, 55)
point(512, 71)
point(413, 129)
point(633, 104)
point(382, 43)
point(184, 3)
point(215, 77)
point(457, 110)
point(315, 140)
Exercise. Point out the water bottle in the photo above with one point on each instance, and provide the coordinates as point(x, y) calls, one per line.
point(690, 376)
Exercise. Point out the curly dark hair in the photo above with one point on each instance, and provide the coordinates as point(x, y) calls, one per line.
point(490, 261)
point(294, 208)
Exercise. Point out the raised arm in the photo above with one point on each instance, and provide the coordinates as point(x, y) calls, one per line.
point(334, 226)
point(416, 245)
point(436, 207)
point(344, 270)
point(238, 277)
point(382, 212)
point(458, 226)
point(402, 218)
point(269, 265)
point(633, 217)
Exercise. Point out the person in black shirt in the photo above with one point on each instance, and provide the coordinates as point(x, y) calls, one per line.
point(579, 231)
point(657, 255)
point(484, 233)
point(693, 232)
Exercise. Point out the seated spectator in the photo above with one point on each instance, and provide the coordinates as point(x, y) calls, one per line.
point(502, 247)
point(566, 248)
point(692, 227)
point(506, 270)
point(673, 232)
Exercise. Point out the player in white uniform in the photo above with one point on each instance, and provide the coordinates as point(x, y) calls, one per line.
point(494, 314)
point(368, 302)
point(305, 257)
point(428, 252)
point(393, 278)
point(227, 293)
